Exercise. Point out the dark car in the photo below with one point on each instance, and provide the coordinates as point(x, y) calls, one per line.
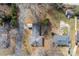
point(77, 39)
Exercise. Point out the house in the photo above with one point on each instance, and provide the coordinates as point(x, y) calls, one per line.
point(64, 37)
point(36, 39)
point(61, 40)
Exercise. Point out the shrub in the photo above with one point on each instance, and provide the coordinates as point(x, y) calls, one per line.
point(1, 22)
point(65, 31)
point(45, 22)
point(14, 15)
point(11, 19)
point(76, 13)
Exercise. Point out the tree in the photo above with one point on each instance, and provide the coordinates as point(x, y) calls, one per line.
point(14, 15)
point(58, 6)
point(11, 20)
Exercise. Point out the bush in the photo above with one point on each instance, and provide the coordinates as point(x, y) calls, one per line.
point(11, 19)
point(14, 15)
point(7, 19)
point(45, 22)
point(13, 23)
point(1, 23)
point(76, 13)
point(65, 32)
point(9, 4)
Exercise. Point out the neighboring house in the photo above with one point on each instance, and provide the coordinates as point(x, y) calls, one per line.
point(60, 40)
point(4, 42)
point(63, 39)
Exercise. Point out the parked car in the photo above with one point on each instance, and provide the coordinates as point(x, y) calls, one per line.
point(60, 40)
point(69, 13)
point(77, 38)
